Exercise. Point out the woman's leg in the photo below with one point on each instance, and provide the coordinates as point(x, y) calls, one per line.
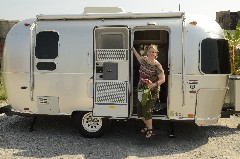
point(147, 113)
point(149, 124)
point(149, 132)
point(140, 115)
point(145, 122)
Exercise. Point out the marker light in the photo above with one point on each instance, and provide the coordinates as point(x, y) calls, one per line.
point(27, 24)
point(190, 115)
point(193, 22)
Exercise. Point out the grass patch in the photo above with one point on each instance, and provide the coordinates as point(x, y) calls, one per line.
point(3, 96)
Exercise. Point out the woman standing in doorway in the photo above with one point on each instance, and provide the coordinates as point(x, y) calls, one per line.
point(151, 77)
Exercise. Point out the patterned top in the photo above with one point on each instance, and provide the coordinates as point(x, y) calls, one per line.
point(150, 72)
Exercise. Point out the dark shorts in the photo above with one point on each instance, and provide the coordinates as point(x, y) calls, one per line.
point(146, 110)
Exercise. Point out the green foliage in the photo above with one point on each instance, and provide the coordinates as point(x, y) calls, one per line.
point(146, 96)
point(234, 45)
point(2, 92)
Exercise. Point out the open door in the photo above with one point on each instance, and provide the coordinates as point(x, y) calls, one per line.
point(111, 71)
point(143, 37)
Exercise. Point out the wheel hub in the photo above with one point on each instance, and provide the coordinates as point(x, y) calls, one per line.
point(90, 123)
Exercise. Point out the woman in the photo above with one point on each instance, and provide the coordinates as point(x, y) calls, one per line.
point(151, 77)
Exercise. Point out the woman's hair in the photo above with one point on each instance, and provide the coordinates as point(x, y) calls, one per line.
point(155, 47)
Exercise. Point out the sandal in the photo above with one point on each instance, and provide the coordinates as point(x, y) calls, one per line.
point(144, 130)
point(149, 134)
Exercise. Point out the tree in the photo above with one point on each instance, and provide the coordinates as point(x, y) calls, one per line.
point(234, 45)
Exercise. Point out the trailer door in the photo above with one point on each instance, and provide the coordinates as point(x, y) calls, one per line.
point(111, 71)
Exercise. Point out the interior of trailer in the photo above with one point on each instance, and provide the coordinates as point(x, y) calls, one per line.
point(143, 38)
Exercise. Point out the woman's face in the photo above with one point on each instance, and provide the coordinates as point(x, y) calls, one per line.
point(152, 52)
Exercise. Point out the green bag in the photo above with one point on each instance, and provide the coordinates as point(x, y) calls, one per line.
point(146, 96)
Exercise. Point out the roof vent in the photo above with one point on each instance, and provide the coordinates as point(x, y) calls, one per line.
point(102, 10)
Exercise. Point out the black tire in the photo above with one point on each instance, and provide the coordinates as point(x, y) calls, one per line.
point(89, 126)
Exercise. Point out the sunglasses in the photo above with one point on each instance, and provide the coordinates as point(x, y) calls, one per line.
point(153, 52)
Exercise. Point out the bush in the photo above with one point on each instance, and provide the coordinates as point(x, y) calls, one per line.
point(234, 46)
point(2, 92)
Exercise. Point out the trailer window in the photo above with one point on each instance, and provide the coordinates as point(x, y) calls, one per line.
point(46, 66)
point(111, 41)
point(46, 45)
point(215, 56)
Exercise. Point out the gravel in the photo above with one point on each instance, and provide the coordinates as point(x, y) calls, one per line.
point(57, 138)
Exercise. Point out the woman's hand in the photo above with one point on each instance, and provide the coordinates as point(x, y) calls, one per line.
point(133, 50)
point(136, 53)
point(151, 85)
point(148, 82)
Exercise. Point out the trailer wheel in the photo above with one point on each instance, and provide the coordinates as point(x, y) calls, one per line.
point(90, 126)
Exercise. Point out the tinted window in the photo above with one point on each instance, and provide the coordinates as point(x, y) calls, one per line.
point(111, 41)
point(46, 45)
point(46, 66)
point(215, 56)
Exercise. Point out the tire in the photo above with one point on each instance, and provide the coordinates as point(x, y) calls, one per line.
point(89, 126)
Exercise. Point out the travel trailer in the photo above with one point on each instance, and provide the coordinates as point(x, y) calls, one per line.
point(81, 66)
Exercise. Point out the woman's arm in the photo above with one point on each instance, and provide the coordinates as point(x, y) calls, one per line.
point(136, 54)
point(161, 76)
point(161, 79)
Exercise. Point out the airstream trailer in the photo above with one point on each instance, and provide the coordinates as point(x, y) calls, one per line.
point(81, 66)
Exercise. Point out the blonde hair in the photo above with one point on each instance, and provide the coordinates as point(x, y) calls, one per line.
point(155, 47)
